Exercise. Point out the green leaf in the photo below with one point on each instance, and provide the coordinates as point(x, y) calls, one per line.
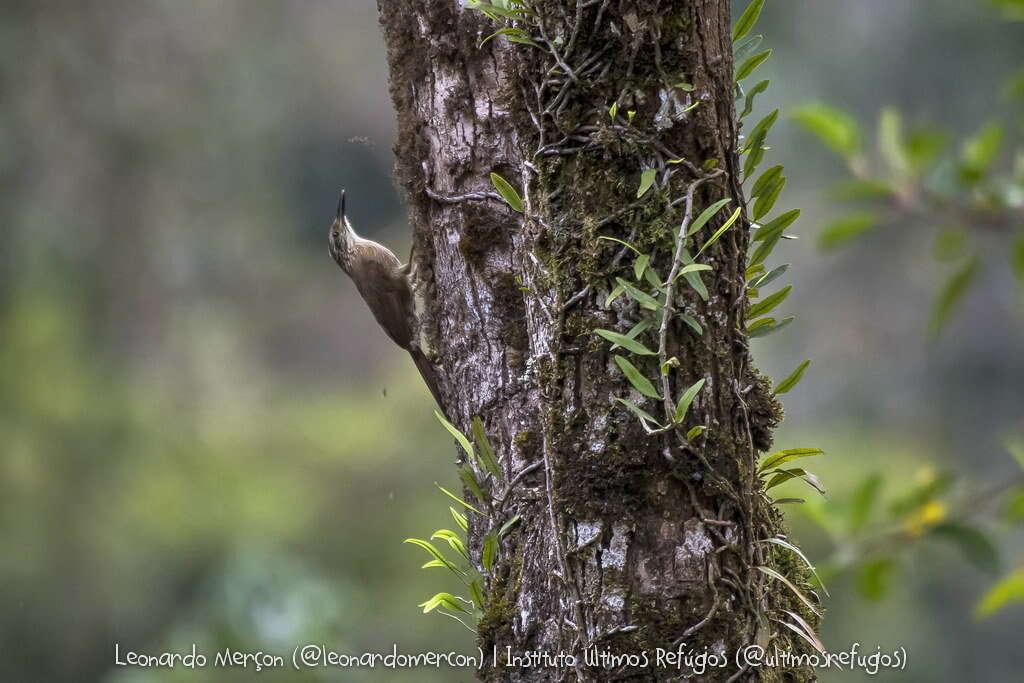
point(686, 399)
point(439, 559)
point(748, 104)
point(769, 302)
point(721, 231)
point(490, 550)
point(745, 47)
point(694, 432)
point(769, 277)
point(639, 412)
point(864, 500)
point(613, 111)
point(767, 199)
point(516, 35)
point(613, 295)
point(1014, 512)
point(1017, 258)
point(768, 329)
point(979, 152)
point(487, 456)
point(754, 157)
point(861, 189)
point(776, 226)
point(643, 298)
point(469, 479)
point(622, 242)
point(459, 436)
point(507, 192)
point(432, 563)
point(456, 498)
point(769, 234)
point(1006, 592)
point(789, 584)
point(747, 67)
point(495, 10)
point(692, 322)
point(755, 325)
point(476, 591)
point(784, 475)
point(923, 147)
point(873, 578)
point(428, 546)
point(636, 378)
point(754, 146)
point(781, 457)
point(685, 87)
point(653, 279)
point(764, 250)
point(847, 228)
point(836, 129)
point(640, 265)
point(692, 268)
point(951, 294)
point(891, 146)
point(646, 181)
point(1015, 446)
point(747, 20)
point(636, 331)
point(765, 181)
point(625, 342)
point(706, 215)
point(460, 519)
point(507, 526)
point(760, 131)
point(453, 539)
point(693, 277)
point(446, 600)
point(977, 547)
point(791, 381)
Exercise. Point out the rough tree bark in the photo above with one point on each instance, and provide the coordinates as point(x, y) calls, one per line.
point(628, 541)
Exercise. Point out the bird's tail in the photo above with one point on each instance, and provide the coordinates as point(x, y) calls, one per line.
point(429, 374)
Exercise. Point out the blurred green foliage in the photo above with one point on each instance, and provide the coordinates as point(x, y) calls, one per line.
point(131, 517)
point(966, 195)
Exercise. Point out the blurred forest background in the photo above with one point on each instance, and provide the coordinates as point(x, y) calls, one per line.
point(207, 439)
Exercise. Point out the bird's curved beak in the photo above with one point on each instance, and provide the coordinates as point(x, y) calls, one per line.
point(337, 229)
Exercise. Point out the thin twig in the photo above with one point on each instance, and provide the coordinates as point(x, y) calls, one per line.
point(670, 291)
point(455, 199)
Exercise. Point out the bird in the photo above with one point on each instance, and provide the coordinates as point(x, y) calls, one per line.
point(384, 284)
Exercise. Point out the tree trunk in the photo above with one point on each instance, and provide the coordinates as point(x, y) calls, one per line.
point(628, 541)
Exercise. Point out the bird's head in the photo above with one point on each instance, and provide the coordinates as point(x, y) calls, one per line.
point(339, 238)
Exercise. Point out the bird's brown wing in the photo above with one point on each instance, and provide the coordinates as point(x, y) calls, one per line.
point(388, 296)
point(383, 283)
